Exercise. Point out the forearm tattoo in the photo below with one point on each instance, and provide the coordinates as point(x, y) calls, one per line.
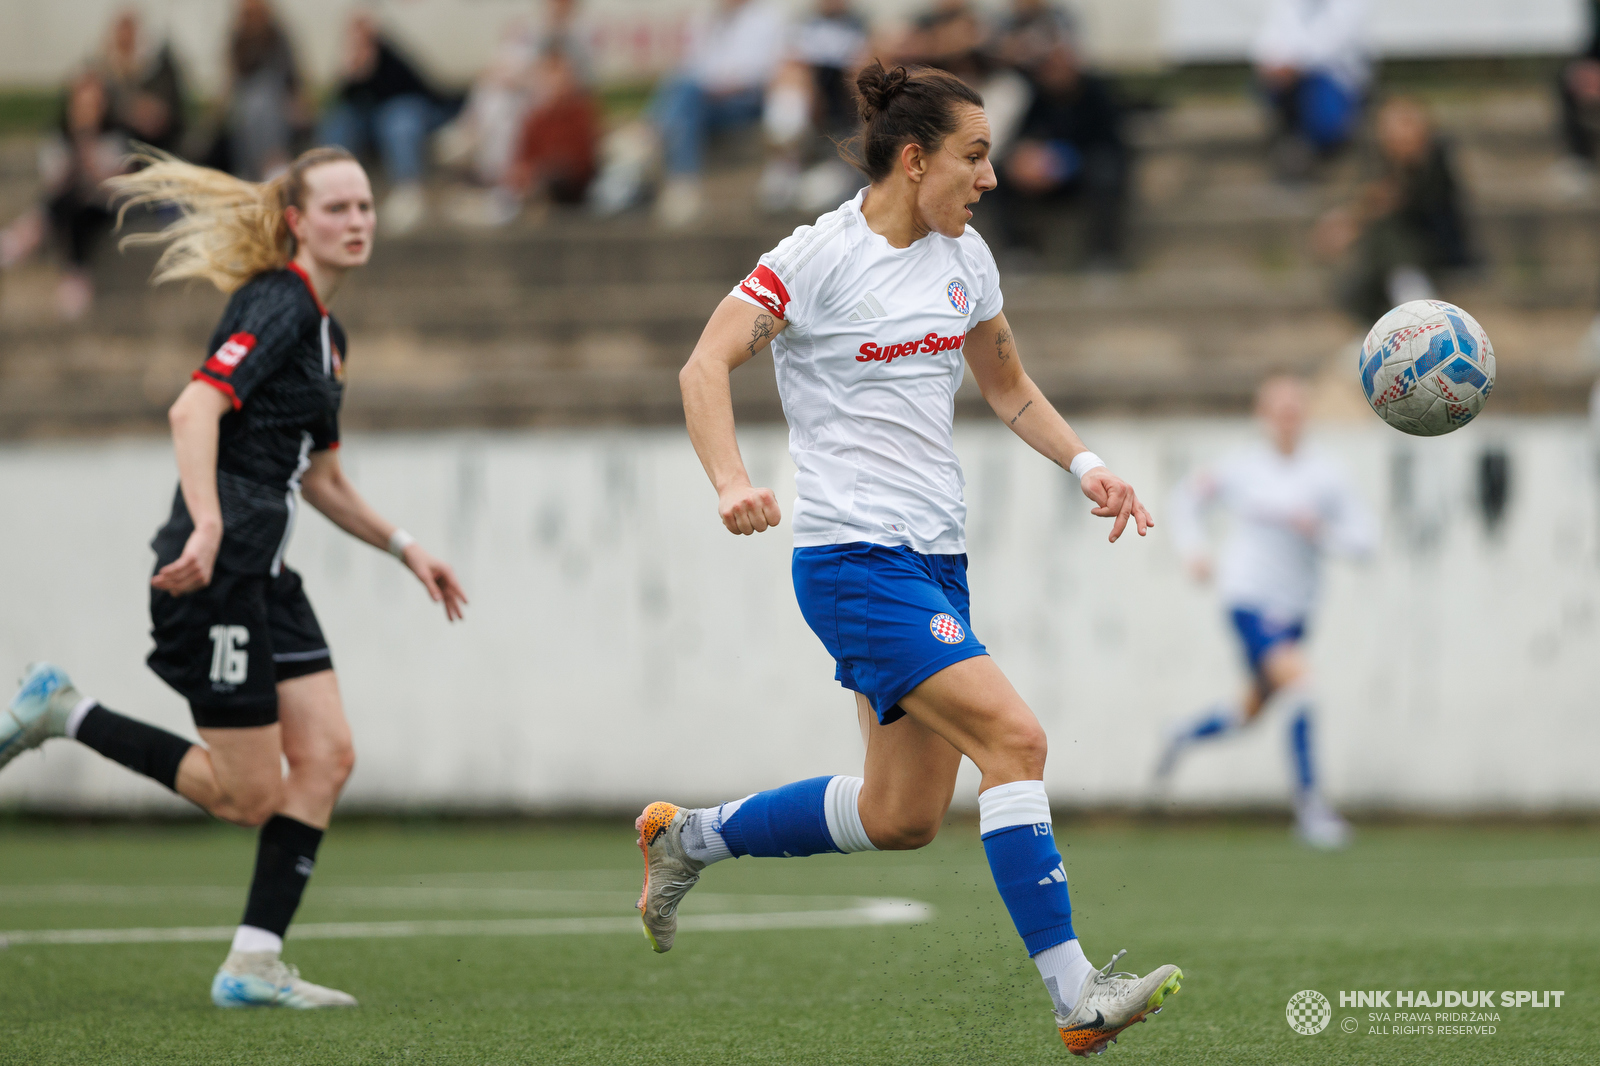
point(1019, 413)
point(760, 332)
point(1001, 341)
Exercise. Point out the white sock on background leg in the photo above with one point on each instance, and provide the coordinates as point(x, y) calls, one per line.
point(1064, 968)
point(702, 836)
point(250, 938)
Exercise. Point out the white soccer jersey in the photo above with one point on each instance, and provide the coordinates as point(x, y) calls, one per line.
point(1285, 510)
point(868, 369)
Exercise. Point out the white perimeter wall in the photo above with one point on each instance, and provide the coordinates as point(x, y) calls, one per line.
point(621, 647)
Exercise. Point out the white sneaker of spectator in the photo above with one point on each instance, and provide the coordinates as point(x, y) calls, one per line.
point(680, 202)
point(403, 210)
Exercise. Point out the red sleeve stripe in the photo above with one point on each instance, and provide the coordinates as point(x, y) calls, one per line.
point(221, 386)
point(764, 287)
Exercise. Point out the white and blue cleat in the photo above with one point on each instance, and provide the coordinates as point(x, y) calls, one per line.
point(38, 711)
point(261, 979)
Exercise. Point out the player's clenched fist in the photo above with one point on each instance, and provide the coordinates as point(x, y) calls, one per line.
point(747, 510)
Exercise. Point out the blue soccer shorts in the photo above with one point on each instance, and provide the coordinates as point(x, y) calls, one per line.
point(890, 617)
point(1260, 633)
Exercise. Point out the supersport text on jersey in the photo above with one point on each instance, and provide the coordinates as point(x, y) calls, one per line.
point(868, 368)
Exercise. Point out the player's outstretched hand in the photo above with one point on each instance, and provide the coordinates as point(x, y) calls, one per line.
point(1114, 498)
point(438, 579)
point(191, 571)
point(746, 510)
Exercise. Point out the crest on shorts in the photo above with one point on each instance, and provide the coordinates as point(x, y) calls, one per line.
point(946, 628)
point(959, 299)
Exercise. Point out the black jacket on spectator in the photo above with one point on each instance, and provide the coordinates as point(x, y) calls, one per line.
point(1087, 117)
point(392, 75)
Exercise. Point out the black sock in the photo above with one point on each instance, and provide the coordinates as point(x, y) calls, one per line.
point(142, 748)
point(285, 857)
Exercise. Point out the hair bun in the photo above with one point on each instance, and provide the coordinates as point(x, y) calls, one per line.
point(878, 87)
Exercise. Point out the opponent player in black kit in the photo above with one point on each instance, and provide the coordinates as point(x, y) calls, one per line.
point(234, 631)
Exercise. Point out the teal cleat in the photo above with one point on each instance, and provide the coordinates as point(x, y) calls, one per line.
point(38, 711)
point(261, 979)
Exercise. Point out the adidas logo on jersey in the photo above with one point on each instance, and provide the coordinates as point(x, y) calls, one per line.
point(922, 345)
point(869, 307)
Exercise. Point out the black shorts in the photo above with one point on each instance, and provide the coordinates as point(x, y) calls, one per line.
point(226, 647)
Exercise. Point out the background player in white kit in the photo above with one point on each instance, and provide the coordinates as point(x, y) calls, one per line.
point(1289, 504)
point(870, 313)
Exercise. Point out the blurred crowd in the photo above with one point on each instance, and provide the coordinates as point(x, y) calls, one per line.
point(760, 87)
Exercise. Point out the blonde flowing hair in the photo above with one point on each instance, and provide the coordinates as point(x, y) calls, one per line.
point(228, 230)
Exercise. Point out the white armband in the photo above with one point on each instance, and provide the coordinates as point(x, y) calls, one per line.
point(399, 541)
point(1084, 462)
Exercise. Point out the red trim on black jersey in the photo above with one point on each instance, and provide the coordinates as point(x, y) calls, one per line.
point(231, 354)
point(311, 288)
point(221, 386)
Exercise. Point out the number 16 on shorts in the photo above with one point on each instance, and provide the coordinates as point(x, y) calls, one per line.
point(230, 663)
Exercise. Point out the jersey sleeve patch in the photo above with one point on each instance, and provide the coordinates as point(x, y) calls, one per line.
point(225, 359)
point(764, 288)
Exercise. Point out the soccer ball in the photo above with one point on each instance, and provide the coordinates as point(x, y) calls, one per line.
point(1427, 367)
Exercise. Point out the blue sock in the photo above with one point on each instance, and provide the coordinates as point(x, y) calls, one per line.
point(1300, 748)
point(1213, 723)
point(1027, 868)
point(787, 821)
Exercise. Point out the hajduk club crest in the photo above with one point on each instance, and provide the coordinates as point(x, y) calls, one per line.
point(959, 299)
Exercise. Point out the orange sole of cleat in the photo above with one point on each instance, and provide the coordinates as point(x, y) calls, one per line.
point(1096, 1043)
point(650, 823)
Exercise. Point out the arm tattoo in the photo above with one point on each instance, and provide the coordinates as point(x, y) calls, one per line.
point(1019, 413)
point(1002, 339)
point(759, 332)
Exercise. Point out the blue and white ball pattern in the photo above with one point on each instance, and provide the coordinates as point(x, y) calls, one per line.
point(1427, 367)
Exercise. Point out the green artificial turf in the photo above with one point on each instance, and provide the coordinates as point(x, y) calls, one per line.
point(1250, 917)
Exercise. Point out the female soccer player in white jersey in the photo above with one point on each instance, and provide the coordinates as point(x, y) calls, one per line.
point(234, 631)
point(869, 313)
point(1289, 504)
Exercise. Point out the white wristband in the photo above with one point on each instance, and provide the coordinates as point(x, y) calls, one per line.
point(399, 541)
point(1084, 462)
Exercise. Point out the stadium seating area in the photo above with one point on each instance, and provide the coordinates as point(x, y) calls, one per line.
point(579, 320)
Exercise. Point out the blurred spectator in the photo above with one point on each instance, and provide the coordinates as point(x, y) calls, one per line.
point(1031, 31)
point(733, 52)
point(75, 214)
point(1579, 91)
point(951, 37)
point(954, 37)
point(556, 151)
point(486, 133)
point(265, 113)
point(382, 99)
point(1070, 149)
point(1312, 62)
point(810, 104)
point(144, 92)
point(1407, 224)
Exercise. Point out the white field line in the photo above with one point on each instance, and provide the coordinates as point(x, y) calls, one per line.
point(867, 911)
point(394, 897)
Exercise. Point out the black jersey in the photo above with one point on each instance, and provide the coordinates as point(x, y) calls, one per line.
point(279, 356)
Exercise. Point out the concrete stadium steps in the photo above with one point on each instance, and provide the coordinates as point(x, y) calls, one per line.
point(581, 321)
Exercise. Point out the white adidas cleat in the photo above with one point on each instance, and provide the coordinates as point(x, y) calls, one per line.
point(1319, 826)
point(669, 873)
point(1110, 1002)
point(38, 711)
point(261, 979)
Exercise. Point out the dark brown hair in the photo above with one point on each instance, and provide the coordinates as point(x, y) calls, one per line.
point(906, 105)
